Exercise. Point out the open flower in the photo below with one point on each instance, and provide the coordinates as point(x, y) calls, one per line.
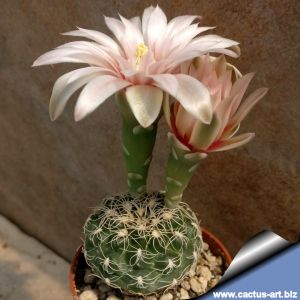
point(227, 87)
point(143, 59)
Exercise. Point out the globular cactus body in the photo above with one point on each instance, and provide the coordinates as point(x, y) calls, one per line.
point(137, 244)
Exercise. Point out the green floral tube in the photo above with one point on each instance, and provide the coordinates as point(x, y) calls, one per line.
point(181, 166)
point(137, 146)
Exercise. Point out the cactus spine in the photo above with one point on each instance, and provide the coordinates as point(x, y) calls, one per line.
point(137, 146)
point(138, 245)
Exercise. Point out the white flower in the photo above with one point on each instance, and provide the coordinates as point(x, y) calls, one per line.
point(143, 59)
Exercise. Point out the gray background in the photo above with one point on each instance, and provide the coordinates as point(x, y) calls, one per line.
point(52, 174)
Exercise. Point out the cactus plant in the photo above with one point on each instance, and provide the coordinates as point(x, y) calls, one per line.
point(139, 241)
point(134, 241)
point(137, 244)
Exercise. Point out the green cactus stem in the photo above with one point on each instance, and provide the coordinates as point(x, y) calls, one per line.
point(136, 244)
point(137, 146)
point(181, 166)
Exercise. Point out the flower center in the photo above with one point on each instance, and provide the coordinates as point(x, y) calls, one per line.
point(141, 50)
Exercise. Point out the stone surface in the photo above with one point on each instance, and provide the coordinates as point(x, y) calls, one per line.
point(167, 296)
point(29, 270)
point(151, 298)
point(205, 272)
point(184, 294)
point(196, 286)
point(186, 285)
point(89, 295)
point(53, 174)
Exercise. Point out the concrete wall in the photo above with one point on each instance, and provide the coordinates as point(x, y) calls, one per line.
point(52, 174)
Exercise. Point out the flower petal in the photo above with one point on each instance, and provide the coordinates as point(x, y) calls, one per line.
point(203, 134)
point(157, 67)
point(99, 52)
point(145, 102)
point(183, 38)
point(223, 113)
point(175, 141)
point(200, 46)
point(157, 23)
point(247, 105)
point(232, 143)
point(145, 20)
point(167, 82)
point(96, 36)
point(184, 122)
point(136, 21)
point(136, 77)
point(238, 90)
point(230, 132)
point(115, 26)
point(146, 61)
point(126, 32)
point(133, 34)
point(62, 55)
point(237, 73)
point(66, 85)
point(220, 65)
point(194, 97)
point(180, 23)
point(95, 93)
point(167, 40)
point(191, 93)
point(213, 41)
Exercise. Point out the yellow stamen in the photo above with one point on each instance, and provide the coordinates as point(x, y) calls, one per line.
point(141, 50)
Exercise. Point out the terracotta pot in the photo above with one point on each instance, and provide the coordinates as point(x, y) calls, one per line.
point(78, 263)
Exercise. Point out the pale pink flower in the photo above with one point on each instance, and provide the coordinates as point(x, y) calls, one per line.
point(143, 59)
point(227, 87)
